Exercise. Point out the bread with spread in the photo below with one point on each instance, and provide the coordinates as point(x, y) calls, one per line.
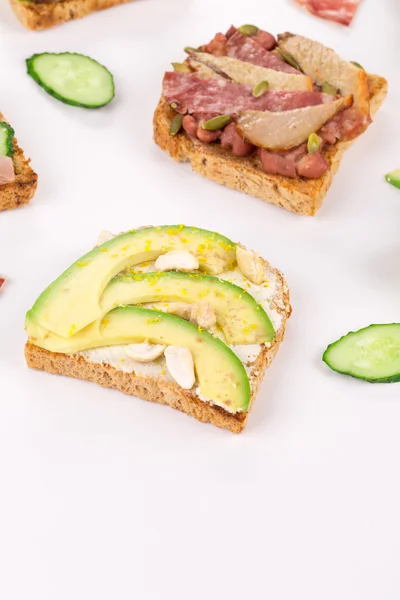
point(18, 181)
point(43, 14)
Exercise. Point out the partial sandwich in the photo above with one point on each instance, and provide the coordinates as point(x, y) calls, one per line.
point(18, 181)
point(43, 14)
point(339, 11)
point(172, 314)
point(268, 116)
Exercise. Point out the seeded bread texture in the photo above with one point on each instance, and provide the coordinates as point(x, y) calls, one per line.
point(303, 196)
point(162, 391)
point(43, 16)
point(21, 190)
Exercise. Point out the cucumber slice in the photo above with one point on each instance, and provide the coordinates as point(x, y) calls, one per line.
point(372, 354)
point(393, 178)
point(6, 139)
point(72, 78)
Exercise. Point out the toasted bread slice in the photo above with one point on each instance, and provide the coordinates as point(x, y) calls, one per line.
point(303, 196)
point(43, 16)
point(161, 390)
point(21, 190)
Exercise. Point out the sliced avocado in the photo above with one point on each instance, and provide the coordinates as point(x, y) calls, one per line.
point(220, 374)
point(72, 301)
point(240, 317)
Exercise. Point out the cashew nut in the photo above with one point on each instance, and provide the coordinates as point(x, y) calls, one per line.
point(180, 309)
point(144, 352)
point(180, 366)
point(177, 261)
point(251, 265)
point(105, 236)
point(202, 314)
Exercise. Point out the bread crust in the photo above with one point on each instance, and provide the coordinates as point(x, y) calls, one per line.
point(21, 190)
point(161, 390)
point(303, 196)
point(44, 16)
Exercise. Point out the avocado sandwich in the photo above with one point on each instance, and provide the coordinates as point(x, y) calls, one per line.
point(18, 181)
point(43, 14)
point(172, 314)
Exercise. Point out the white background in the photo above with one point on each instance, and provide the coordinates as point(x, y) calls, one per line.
point(103, 496)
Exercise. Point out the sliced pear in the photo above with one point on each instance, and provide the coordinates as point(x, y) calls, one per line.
point(323, 64)
point(202, 69)
point(287, 129)
point(249, 74)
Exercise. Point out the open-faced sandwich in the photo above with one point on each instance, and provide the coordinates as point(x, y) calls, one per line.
point(43, 14)
point(171, 314)
point(269, 117)
point(18, 181)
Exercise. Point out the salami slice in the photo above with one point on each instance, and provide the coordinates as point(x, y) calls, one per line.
point(2, 281)
point(244, 47)
point(193, 94)
point(340, 11)
point(263, 38)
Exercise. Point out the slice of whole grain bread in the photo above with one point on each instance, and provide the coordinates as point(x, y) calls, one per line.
point(163, 391)
point(303, 196)
point(21, 190)
point(48, 14)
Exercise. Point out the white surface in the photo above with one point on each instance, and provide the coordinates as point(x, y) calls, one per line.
point(106, 497)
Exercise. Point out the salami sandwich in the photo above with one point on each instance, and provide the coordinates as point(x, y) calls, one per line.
point(267, 116)
point(43, 14)
point(18, 181)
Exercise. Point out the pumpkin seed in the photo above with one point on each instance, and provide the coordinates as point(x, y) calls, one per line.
point(260, 88)
point(356, 64)
point(216, 123)
point(248, 29)
point(189, 49)
point(289, 59)
point(180, 67)
point(176, 124)
point(313, 143)
point(327, 88)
